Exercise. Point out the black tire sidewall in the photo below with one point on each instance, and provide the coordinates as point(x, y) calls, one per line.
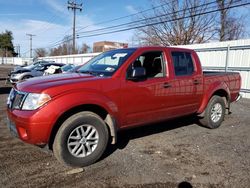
point(68, 126)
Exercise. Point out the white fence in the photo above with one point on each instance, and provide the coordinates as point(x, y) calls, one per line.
point(223, 56)
point(15, 60)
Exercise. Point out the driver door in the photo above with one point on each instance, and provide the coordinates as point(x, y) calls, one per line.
point(140, 99)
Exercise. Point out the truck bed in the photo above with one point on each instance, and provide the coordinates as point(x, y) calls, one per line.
point(231, 79)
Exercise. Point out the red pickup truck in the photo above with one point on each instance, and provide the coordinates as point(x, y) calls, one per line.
point(76, 114)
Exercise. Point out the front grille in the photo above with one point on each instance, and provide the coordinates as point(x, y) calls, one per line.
point(15, 99)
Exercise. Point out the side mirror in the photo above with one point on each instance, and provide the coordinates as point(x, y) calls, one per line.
point(138, 73)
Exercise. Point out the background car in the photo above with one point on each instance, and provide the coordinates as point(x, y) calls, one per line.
point(31, 71)
point(31, 65)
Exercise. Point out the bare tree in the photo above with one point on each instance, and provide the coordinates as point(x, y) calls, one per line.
point(84, 49)
point(66, 48)
point(40, 52)
point(230, 27)
point(182, 22)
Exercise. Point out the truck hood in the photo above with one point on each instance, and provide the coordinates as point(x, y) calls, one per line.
point(57, 83)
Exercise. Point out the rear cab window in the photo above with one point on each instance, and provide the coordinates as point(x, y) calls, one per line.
point(183, 63)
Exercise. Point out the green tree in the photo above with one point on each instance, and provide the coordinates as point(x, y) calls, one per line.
point(6, 45)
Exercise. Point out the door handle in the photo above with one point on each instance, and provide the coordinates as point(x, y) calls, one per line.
point(196, 82)
point(166, 85)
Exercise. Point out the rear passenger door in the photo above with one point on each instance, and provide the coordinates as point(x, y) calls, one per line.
point(187, 82)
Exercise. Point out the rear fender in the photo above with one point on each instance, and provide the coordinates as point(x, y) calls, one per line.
point(210, 91)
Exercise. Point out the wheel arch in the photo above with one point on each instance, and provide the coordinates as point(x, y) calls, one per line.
point(99, 110)
point(221, 90)
point(225, 95)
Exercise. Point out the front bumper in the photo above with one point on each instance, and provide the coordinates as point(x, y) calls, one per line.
point(26, 126)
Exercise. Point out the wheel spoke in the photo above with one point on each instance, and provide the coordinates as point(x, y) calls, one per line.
point(73, 143)
point(82, 131)
point(84, 151)
point(87, 131)
point(88, 148)
point(78, 133)
point(79, 149)
point(75, 137)
point(75, 148)
point(91, 133)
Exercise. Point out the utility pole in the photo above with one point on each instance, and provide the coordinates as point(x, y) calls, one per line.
point(30, 35)
point(74, 6)
point(17, 50)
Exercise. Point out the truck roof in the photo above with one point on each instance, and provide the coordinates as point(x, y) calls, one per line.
point(159, 48)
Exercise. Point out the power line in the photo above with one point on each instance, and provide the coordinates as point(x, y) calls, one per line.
point(74, 6)
point(147, 19)
point(123, 17)
point(160, 22)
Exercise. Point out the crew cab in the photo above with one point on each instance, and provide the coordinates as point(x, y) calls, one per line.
point(76, 114)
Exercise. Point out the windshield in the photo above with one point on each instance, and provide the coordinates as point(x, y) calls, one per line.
point(30, 66)
point(107, 63)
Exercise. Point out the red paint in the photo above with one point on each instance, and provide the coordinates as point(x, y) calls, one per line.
point(130, 103)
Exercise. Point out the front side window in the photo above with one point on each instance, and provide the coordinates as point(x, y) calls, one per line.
point(152, 62)
point(183, 63)
point(107, 63)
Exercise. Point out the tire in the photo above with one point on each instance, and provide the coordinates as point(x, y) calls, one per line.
point(75, 151)
point(214, 113)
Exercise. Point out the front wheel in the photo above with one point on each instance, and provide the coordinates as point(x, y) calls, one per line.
point(214, 113)
point(81, 140)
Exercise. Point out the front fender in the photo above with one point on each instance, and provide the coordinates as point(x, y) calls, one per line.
point(210, 91)
point(76, 98)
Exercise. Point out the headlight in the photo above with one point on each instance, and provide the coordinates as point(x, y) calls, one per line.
point(35, 100)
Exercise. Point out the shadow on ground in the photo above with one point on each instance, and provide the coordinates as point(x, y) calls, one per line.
point(125, 136)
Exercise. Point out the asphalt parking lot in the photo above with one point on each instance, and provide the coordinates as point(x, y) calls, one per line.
point(177, 153)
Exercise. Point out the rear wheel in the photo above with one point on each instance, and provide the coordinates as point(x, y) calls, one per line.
point(81, 140)
point(214, 113)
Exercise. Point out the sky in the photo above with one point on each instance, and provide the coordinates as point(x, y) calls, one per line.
point(50, 20)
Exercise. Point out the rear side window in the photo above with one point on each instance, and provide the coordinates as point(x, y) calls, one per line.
point(183, 63)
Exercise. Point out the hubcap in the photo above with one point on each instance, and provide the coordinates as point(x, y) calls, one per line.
point(216, 112)
point(83, 140)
